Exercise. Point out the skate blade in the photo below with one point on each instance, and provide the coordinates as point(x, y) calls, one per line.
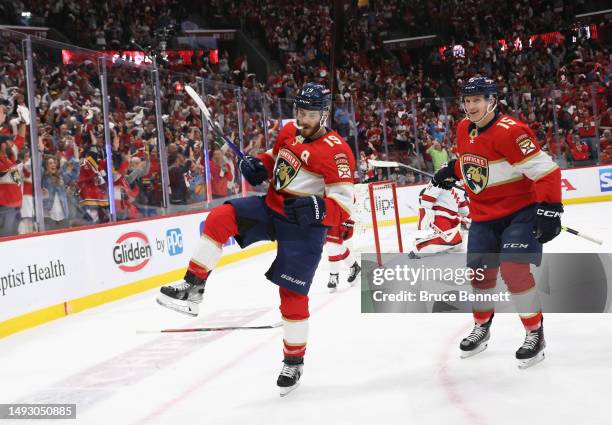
point(332, 290)
point(354, 281)
point(286, 390)
point(479, 349)
point(185, 307)
point(526, 364)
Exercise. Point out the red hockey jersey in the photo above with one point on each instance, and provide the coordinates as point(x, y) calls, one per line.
point(504, 168)
point(322, 167)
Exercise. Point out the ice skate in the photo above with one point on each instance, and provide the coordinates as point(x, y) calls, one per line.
point(183, 297)
point(332, 285)
point(532, 350)
point(354, 272)
point(289, 378)
point(476, 341)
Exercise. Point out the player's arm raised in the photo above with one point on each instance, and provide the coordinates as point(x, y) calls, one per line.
point(258, 169)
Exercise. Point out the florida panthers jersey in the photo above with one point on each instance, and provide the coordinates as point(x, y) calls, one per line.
point(503, 168)
point(322, 167)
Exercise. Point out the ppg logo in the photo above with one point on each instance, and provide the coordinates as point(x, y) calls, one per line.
point(175, 241)
point(605, 179)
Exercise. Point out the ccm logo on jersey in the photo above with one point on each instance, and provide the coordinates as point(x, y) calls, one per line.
point(547, 213)
point(516, 245)
point(605, 179)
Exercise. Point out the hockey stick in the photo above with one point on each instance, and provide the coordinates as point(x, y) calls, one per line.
point(378, 163)
point(217, 329)
point(581, 235)
point(446, 236)
point(212, 124)
point(388, 164)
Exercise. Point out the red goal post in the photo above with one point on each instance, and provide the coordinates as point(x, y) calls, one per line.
point(377, 219)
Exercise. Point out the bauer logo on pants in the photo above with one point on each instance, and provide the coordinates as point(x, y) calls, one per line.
point(475, 171)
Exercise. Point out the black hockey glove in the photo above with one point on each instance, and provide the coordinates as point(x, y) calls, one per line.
point(547, 221)
point(445, 176)
point(305, 210)
point(253, 170)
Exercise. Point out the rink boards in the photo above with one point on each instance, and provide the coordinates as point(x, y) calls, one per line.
point(49, 276)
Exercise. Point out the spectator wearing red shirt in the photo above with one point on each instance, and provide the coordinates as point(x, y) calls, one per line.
point(220, 174)
point(579, 151)
point(588, 132)
point(10, 189)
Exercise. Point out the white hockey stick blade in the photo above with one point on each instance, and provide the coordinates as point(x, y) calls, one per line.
point(213, 124)
point(198, 100)
point(379, 163)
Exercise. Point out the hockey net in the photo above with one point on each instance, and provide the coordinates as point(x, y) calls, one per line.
point(377, 221)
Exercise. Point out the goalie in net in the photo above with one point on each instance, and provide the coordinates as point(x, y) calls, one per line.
point(442, 212)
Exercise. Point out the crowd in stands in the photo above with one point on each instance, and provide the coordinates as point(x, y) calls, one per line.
point(566, 80)
point(388, 105)
point(109, 25)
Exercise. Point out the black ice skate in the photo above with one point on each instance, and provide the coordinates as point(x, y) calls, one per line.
point(333, 282)
point(184, 296)
point(532, 350)
point(355, 270)
point(476, 341)
point(289, 378)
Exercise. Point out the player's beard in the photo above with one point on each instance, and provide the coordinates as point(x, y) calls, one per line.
point(307, 131)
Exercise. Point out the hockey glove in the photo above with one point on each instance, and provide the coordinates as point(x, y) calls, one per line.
point(547, 221)
point(305, 210)
point(347, 229)
point(445, 176)
point(253, 170)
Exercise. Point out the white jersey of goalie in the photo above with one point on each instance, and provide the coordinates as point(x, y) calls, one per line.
point(441, 213)
point(451, 204)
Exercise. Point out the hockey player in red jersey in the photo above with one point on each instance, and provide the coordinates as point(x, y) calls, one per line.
point(441, 214)
point(338, 252)
point(310, 170)
point(515, 204)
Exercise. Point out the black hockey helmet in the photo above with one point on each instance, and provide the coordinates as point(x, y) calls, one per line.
point(479, 86)
point(313, 97)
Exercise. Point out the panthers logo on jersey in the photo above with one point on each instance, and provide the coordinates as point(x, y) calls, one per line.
point(285, 169)
point(475, 171)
